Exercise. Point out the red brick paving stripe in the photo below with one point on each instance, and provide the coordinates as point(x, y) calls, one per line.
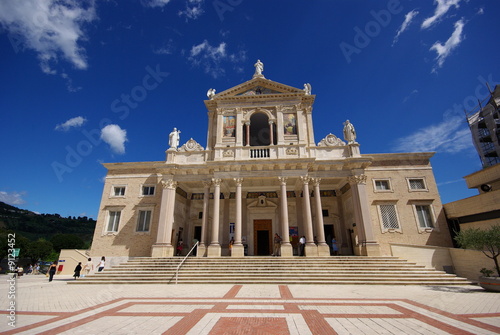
point(62, 316)
point(188, 322)
point(317, 323)
point(430, 321)
point(482, 315)
point(460, 317)
point(285, 292)
point(250, 325)
point(74, 324)
point(232, 292)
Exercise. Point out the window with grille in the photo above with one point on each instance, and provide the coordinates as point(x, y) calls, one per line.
point(382, 185)
point(114, 221)
point(389, 216)
point(424, 216)
point(416, 184)
point(148, 190)
point(144, 220)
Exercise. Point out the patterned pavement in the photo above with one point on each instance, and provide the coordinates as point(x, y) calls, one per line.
point(57, 308)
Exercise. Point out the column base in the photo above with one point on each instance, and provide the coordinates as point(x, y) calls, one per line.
point(238, 251)
point(323, 250)
point(311, 250)
point(214, 250)
point(286, 250)
point(372, 249)
point(202, 251)
point(162, 250)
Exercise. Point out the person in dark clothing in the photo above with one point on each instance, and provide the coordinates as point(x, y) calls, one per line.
point(78, 268)
point(52, 271)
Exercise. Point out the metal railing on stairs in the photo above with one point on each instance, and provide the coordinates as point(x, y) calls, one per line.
point(182, 262)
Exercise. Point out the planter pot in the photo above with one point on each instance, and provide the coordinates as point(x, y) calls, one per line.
point(490, 283)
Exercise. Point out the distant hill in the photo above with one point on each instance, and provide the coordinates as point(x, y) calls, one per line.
point(34, 226)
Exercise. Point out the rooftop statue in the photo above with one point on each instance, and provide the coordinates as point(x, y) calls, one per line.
point(307, 89)
point(211, 93)
point(259, 68)
point(174, 138)
point(349, 133)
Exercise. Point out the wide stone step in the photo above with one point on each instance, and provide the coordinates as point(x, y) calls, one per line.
point(269, 270)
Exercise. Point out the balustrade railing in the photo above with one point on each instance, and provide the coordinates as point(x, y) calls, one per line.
point(260, 153)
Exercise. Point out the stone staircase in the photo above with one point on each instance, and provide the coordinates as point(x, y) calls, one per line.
point(273, 270)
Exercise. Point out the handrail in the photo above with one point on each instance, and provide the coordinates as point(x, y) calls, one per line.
point(182, 262)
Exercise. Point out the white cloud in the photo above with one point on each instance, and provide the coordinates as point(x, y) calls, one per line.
point(449, 136)
point(73, 122)
point(51, 28)
point(211, 57)
point(155, 3)
point(442, 8)
point(12, 198)
point(409, 95)
point(114, 136)
point(444, 50)
point(408, 19)
point(193, 9)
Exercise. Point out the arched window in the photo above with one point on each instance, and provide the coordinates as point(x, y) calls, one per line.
point(259, 130)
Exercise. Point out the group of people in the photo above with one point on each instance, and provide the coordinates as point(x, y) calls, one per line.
point(32, 269)
point(89, 266)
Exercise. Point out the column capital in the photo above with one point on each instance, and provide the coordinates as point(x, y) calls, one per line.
point(282, 180)
point(305, 179)
point(216, 181)
point(169, 183)
point(316, 181)
point(247, 123)
point(238, 181)
point(359, 179)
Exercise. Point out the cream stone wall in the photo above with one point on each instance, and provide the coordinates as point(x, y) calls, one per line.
point(405, 199)
point(126, 241)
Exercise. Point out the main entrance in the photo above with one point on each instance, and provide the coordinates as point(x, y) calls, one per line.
point(262, 237)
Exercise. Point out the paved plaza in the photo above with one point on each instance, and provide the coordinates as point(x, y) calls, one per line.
point(58, 308)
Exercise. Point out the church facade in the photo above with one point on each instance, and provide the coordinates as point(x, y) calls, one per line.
point(261, 174)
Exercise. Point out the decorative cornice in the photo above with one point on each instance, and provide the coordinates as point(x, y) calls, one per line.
point(191, 145)
point(359, 179)
point(331, 140)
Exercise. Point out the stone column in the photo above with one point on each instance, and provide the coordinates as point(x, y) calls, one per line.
point(369, 246)
point(323, 248)
point(214, 249)
point(202, 247)
point(247, 124)
point(238, 249)
point(163, 246)
point(311, 248)
point(286, 247)
point(271, 135)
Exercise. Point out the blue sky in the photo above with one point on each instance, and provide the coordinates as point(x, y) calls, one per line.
point(87, 82)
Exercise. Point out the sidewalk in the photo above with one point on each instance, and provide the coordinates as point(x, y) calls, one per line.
point(57, 308)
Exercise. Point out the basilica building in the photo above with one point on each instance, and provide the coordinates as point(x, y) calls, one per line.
point(262, 173)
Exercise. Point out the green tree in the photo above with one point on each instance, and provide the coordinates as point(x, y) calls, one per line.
point(66, 241)
point(486, 240)
point(39, 249)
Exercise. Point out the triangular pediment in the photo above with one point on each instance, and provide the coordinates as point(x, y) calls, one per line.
point(258, 87)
